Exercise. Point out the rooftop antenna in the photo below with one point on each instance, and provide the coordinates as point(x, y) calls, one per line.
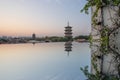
point(68, 23)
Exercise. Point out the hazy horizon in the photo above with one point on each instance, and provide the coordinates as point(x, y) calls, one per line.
point(42, 17)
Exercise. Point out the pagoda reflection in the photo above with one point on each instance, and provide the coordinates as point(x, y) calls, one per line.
point(68, 47)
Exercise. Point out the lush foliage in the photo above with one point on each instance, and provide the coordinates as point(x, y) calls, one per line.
point(53, 39)
point(82, 37)
point(99, 4)
point(3, 40)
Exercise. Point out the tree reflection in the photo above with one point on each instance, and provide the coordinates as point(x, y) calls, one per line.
point(104, 66)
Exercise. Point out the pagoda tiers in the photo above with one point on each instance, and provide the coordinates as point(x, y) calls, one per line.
point(68, 32)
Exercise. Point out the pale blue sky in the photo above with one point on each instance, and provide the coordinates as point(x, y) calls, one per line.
point(43, 17)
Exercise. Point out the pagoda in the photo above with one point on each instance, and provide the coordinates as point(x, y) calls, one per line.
point(68, 32)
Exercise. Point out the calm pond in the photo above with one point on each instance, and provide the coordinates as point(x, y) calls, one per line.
point(43, 61)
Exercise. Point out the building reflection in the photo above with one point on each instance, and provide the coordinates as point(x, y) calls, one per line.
point(33, 43)
point(68, 47)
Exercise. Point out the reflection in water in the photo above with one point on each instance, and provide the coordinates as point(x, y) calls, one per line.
point(105, 61)
point(33, 43)
point(68, 47)
point(44, 61)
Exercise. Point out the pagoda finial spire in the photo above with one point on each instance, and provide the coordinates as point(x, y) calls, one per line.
point(68, 23)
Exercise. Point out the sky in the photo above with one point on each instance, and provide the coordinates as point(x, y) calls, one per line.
point(42, 17)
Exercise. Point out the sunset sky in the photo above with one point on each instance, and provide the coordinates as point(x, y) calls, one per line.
point(42, 17)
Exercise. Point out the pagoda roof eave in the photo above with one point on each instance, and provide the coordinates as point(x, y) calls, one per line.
point(68, 27)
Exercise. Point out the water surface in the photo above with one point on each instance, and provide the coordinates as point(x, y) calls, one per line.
point(43, 61)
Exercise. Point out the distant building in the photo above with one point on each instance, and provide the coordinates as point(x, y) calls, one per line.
point(68, 32)
point(33, 36)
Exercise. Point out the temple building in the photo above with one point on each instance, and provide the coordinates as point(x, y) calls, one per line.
point(68, 32)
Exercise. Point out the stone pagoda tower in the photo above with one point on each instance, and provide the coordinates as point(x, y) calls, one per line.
point(68, 32)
